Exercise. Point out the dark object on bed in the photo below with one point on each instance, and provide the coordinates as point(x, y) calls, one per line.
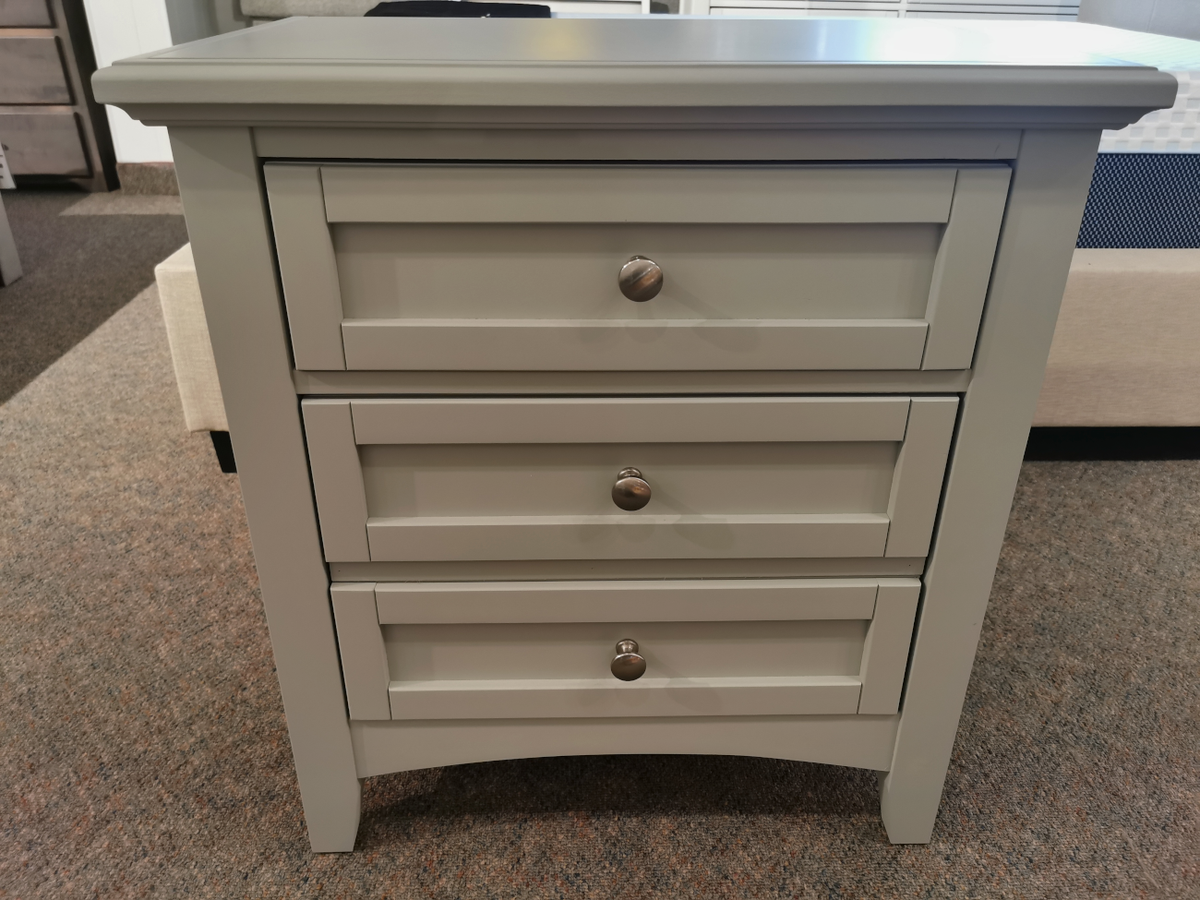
point(1144, 201)
point(224, 448)
point(461, 9)
point(1119, 443)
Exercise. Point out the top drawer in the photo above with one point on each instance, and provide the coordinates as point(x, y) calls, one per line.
point(515, 268)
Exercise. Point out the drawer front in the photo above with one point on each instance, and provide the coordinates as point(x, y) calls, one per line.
point(547, 649)
point(516, 268)
point(43, 143)
point(25, 14)
point(534, 479)
point(31, 70)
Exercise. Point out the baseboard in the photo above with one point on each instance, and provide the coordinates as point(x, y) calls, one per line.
point(148, 178)
point(1112, 443)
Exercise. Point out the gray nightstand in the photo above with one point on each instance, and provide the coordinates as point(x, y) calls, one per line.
point(629, 385)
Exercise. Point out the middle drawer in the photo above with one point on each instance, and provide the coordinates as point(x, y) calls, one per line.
point(627, 478)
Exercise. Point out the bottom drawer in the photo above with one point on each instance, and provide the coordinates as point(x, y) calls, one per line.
point(44, 142)
point(508, 650)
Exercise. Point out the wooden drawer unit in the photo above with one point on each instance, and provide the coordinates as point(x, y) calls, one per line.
point(742, 477)
point(555, 649)
point(49, 122)
point(518, 267)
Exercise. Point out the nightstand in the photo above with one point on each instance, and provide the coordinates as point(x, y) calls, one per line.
point(629, 386)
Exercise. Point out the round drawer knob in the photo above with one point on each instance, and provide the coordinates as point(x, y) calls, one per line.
point(631, 490)
point(628, 664)
point(641, 279)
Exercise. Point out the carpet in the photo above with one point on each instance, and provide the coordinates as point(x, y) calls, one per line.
point(120, 203)
point(76, 274)
point(146, 755)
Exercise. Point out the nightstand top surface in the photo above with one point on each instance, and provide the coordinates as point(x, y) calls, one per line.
point(704, 40)
point(648, 61)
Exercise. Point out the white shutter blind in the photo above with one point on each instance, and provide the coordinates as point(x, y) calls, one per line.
point(933, 9)
point(990, 9)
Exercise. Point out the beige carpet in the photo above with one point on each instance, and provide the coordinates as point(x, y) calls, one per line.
point(79, 270)
point(120, 203)
point(145, 754)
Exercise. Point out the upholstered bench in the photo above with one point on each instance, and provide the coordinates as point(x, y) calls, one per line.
point(1125, 350)
point(191, 352)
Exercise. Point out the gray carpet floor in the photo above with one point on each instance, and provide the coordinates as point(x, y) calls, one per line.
point(145, 750)
point(76, 275)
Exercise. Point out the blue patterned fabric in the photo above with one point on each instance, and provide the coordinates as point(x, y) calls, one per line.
point(1143, 200)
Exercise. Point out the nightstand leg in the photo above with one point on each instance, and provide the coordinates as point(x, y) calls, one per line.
point(331, 812)
point(220, 181)
point(1045, 206)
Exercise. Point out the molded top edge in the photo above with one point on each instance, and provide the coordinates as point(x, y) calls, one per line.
point(644, 61)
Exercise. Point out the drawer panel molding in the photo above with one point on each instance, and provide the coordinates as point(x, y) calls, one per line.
point(561, 698)
point(364, 658)
point(631, 419)
point(591, 345)
point(717, 600)
point(829, 535)
point(664, 194)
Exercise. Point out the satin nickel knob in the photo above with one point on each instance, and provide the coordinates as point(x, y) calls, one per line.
point(641, 279)
point(628, 664)
point(631, 490)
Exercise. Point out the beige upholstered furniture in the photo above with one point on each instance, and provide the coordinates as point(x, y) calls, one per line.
point(1124, 352)
point(629, 385)
point(191, 348)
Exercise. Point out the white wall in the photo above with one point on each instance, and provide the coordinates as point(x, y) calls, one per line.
point(123, 28)
point(192, 20)
point(1178, 18)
